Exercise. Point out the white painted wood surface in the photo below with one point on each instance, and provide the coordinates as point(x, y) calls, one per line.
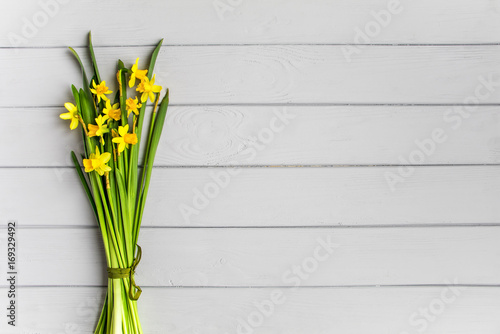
point(256, 21)
point(280, 135)
point(313, 310)
point(429, 241)
point(312, 74)
point(345, 196)
point(220, 257)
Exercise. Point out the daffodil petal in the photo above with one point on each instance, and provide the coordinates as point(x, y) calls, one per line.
point(70, 106)
point(66, 116)
point(74, 124)
point(105, 157)
point(131, 82)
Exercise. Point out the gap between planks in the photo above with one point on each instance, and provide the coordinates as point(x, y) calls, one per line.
point(292, 104)
point(276, 166)
point(355, 286)
point(252, 44)
point(357, 226)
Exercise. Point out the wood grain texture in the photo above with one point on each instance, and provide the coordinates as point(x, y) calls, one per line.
point(217, 244)
point(306, 310)
point(243, 22)
point(270, 74)
point(267, 135)
point(270, 257)
point(269, 197)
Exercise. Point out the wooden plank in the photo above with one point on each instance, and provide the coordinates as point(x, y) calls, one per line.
point(270, 256)
point(257, 21)
point(320, 135)
point(271, 74)
point(353, 310)
point(269, 197)
point(263, 56)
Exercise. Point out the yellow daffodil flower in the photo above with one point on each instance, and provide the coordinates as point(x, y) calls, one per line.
point(113, 112)
point(148, 88)
point(97, 162)
point(125, 138)
point(72, 114)
point(133, 105)
point(100, 90)
point(100, 129)
point(136, 74)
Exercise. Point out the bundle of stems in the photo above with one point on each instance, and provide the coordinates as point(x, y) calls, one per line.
point(115, 184)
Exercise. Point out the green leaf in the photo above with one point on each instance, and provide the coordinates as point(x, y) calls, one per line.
point(76, 95)
point(134, 158)
point(121, 65)
point(86, 108)
point(86, 85)
point(117, 97)
point(152, 62)
point(94, 62)
point(84, 183)
point(151, 152)
point(157, 129)
point(123, 96)
point(122, 193)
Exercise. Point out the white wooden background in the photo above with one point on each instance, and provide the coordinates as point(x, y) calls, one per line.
point(266, 86)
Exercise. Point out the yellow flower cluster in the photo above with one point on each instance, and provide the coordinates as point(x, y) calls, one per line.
point(146, 87)
point(72, 114)
point(100, 91)
point(107, 121)
point(97, 162)
point(123, 139)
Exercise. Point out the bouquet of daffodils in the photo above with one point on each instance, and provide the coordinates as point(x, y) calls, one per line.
point(116, 187)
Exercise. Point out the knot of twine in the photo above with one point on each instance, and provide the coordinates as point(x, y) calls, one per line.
point(120, 273)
